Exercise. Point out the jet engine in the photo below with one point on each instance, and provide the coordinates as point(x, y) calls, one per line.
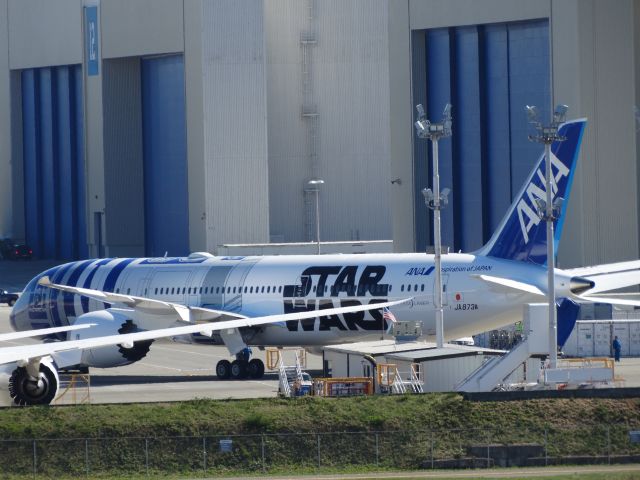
point(109, 322)
point(19, 387)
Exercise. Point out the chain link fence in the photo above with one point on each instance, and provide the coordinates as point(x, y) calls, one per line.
point(315, 452)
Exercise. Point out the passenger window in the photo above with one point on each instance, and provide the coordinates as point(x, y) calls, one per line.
point(415, 287)
point(390, 287)
point(173, 290)
point(262, 289)
point(156, 291)
point(402, 287)
point(422, 287)
point(251, 290)
point(128, 291)
point(280, 289)
point(269, 289)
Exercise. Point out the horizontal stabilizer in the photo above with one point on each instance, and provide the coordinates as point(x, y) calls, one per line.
point(611, 276)
point(509, 284)
point(614, 300)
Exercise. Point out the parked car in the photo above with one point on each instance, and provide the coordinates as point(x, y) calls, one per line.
point(8, 298)
point(15, 251)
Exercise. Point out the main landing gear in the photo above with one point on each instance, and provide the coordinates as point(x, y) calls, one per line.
point(241, 367)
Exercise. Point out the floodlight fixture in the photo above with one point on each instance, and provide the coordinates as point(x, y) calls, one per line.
point(444, 196)
point(420, 110)
point(532, 113)
point(427, 193)
point(541, 207)
point(560, 113)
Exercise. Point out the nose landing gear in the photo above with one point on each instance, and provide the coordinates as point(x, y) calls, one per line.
point(241, 367)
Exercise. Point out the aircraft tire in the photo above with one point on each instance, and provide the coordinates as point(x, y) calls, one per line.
point(238, 369)
point(223, 369)
point(255, 368)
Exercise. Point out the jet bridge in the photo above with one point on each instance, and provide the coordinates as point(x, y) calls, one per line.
point(495, 372)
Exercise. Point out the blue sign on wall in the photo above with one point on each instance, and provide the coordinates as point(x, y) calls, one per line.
point(91, 40)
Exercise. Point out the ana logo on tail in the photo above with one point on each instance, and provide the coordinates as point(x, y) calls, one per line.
point(522, 235)
point(527, 211)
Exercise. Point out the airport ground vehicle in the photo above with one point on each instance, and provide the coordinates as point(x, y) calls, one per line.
point(8, 298)
point(12, 250)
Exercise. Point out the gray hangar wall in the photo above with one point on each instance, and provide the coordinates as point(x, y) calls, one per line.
point(487, 58)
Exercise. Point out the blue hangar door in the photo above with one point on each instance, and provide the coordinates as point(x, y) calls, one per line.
point(489, 73)
point(165, 156)
point(53, 158)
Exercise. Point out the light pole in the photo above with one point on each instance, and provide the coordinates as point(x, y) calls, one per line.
point(435, 201)
point(315, 186)
point(549, 211)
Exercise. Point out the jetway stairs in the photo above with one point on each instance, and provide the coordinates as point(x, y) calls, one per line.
point(495, 371)
point(290, 377)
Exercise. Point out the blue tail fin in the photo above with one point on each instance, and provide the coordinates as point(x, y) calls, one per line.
point(522, 234)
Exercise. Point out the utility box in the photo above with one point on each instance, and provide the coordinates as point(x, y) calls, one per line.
point(407, 331)
point(536, 326)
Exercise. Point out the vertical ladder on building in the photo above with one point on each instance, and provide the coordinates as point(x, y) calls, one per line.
point(310, 114)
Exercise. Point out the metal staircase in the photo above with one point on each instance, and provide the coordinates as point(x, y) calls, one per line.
point(398, 385)
point(492, 372)
point(289, 376)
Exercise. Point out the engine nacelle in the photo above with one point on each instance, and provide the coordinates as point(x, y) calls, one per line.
point(17, 387)
point(108, 322)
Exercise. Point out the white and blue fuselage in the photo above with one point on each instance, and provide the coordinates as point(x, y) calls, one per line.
point(257, 286)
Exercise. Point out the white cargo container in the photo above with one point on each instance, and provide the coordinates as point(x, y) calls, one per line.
point(602, 339)
point(585, 339)
point(634, 339)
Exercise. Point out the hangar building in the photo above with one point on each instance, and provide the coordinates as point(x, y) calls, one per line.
point(152, 126)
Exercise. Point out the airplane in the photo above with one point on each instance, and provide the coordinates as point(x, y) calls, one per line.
point(483, 290)
point(29, 374)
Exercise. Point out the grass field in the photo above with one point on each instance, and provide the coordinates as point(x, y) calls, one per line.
point(311, 435)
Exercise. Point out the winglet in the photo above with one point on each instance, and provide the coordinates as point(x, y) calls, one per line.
point(44, 280)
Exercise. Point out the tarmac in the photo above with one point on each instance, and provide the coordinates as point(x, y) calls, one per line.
point(176, 371)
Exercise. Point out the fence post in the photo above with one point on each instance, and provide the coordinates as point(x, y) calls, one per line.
point(86, 455)
point(318, 450)
point(488, 447)
point(546, 452)
point(432, 450)
point(264, 462)
point(204, 455)
point(377, 451)
point(146, 454)
point(35, 459)
point(609, 444)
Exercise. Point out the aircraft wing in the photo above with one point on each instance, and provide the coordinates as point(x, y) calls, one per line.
point(5, 337)
point(24, 354)
point(147, 305)
point(610, 277)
